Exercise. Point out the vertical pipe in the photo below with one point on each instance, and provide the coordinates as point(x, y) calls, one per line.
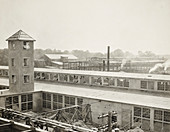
point(108, 58)
point(103, 65)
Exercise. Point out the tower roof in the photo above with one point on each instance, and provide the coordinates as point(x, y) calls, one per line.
point(20, 35)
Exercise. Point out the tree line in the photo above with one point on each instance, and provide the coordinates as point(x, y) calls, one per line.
point(80, 54)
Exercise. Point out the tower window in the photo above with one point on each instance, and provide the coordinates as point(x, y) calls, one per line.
point(25, 62)
point(26, 45)
point(12, 62)
point(13, 79)
point(12, 46)
point(26, 78)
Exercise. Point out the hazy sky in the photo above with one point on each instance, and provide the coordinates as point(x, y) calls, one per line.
point(92, 25)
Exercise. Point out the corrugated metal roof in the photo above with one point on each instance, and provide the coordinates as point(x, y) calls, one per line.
point(58, 56)
point(106, 95)
point(20, 35)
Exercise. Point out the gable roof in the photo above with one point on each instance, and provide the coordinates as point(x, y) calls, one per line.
point(58, 56)
point(20, 35)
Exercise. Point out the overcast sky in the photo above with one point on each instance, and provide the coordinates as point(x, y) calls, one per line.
point(130, 25)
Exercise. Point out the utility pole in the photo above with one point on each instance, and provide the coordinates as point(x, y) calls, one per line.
point(108, 58)
point(109, 124)
point(109, 121)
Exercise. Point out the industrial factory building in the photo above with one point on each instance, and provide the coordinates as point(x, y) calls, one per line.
point(78, 100)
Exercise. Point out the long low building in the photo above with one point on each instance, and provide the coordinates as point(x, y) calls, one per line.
point(132, 108)
point(135, 81)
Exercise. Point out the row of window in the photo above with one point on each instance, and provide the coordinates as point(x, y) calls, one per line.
point(25, 62)
point(161, 120)
point(58, 102)
point(12, 102)
point(107, 81)
point(26, 45)
point(26, 79)
point(161, 85)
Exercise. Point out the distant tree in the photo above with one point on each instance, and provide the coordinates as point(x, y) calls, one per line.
point(128, 54)
point(66, 52)
point(4, 57)
point(117, 53)
point(146, 54)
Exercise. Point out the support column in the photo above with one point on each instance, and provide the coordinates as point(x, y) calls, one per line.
point(19, 99)
point(102, 79)
point(152, 119)
point(52, 102)
point(58, 77)
point(90, 80)
point(76, 101)
point(68, 78)
point(63, 103)
point(155, 86)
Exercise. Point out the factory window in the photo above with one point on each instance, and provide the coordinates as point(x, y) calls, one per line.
point(106, 81)
point(161, 85)
point(25, 62)
point(126, 83)
point(46, 100)
point(26, 45)
point(79, 101)
point(13, 79)
point(26, 102)
point(96, 81)
point(69, 101)
point(144, 84)
point(57, 101)
point(142, 118)
point(158, 115)
point(26, 78)
point(112, 82)
point(15, 99)
point(71, 78)
point(13, 46)
point(12, 102)
point(166, 116)
point(161, 120)
point(146, 113)
point(72, 100)
point(84, 79)
point(122, 82)
point(167, 86)
point(137, 111)
point(75, 79)
point(12, 62)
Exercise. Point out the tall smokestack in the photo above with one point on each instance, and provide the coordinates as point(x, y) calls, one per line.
point(108, 58)
point(103, 65)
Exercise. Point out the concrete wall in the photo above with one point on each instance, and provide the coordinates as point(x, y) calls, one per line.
point(103, 107)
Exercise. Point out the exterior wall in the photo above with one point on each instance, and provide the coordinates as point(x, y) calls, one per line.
point(134, 84)
point(124, 112)
point(2, 101)
point(19, 69)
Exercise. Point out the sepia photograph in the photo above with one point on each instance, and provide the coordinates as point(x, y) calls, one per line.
point(84, 65)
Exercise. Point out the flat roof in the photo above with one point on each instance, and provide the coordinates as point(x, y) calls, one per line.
point(105, 95)
point(102, 73)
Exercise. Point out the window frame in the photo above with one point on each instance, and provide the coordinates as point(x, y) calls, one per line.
point(27, 79)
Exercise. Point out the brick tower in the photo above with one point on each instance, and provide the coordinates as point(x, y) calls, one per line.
point(21, 62)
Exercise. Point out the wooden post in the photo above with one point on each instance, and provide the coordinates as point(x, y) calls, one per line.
point(109, 121)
